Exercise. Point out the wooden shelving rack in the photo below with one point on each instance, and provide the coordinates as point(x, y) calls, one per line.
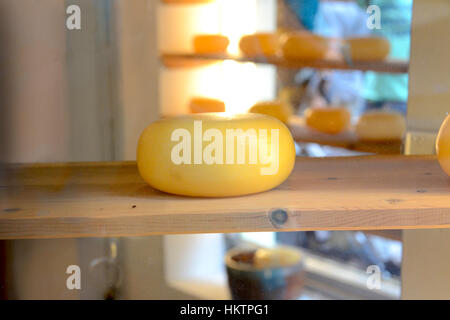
point(347, 140)
point(110, 199)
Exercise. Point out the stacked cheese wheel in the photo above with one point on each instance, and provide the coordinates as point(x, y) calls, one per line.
point(308, 46)
point(372, 126)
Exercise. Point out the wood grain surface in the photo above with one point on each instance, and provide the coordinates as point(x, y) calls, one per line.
point(110, 199)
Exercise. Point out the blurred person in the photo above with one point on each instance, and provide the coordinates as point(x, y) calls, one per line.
point(342, 20)
point(385, 90)
point(332, 19)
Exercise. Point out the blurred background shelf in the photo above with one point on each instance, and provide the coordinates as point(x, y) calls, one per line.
point(179, 60)
point(110, 199)
point(348, 139)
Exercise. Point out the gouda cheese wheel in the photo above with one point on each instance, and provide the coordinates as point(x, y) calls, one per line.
point(259, 44)
point(280, 110)
point(381, 126)
point(201, 105)
point(215, 155)
point(210, 44)
point(328, 120)
point(304, 45)
point(443, 145)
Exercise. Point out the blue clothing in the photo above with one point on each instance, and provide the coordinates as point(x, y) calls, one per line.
point(396, 27)
point(305, 10)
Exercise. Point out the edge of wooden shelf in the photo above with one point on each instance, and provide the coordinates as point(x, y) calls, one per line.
point(111, 200)
point(178, 60)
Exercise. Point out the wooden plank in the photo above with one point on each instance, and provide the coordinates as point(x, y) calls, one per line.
point(348, 139)
point(111, 199)
point(388, 234)
point(178, 60)
point(426, 253)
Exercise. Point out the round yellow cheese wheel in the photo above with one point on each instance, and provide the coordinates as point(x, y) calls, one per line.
point(202, 104)
point(328, 120)
point(304, 45)
point(368, 49)
point(259, 44)
point(216, 155)
point(443, 145)
point(210, 44)
point(280, 110)
point(381, 126)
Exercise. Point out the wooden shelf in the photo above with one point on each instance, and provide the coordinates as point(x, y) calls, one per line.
point(111, 199)
point(174, 60)
point(348, 139)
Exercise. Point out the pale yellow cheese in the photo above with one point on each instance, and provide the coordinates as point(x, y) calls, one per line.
point(216, 155)
point(381, 126)
point(443, 145)
point(278, 109)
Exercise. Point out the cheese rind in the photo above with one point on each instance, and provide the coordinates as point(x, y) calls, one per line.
point(280, 110)
point(259, 44)
point(304, 45)
point(368, 49)
point(203, 104)
point(381, 126)
point(443, 145)
point(215, 155)
point(210, 44)
point(328, 120)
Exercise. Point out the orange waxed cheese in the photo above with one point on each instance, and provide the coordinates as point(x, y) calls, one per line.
point(201, 105)
point(328, 120)
point(443, 145)
point(210, 44)
point(304, 45)
point(368, 49)
point(259, 44)
point(280, 110)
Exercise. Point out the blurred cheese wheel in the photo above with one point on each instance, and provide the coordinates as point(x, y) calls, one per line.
point(210, 44)
point(201, 105)
point(368, 49)
point(443, 146)
point(304, 45)
point(328, 120)
point(259, 44)
point(381, 126)
point(280, 110)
